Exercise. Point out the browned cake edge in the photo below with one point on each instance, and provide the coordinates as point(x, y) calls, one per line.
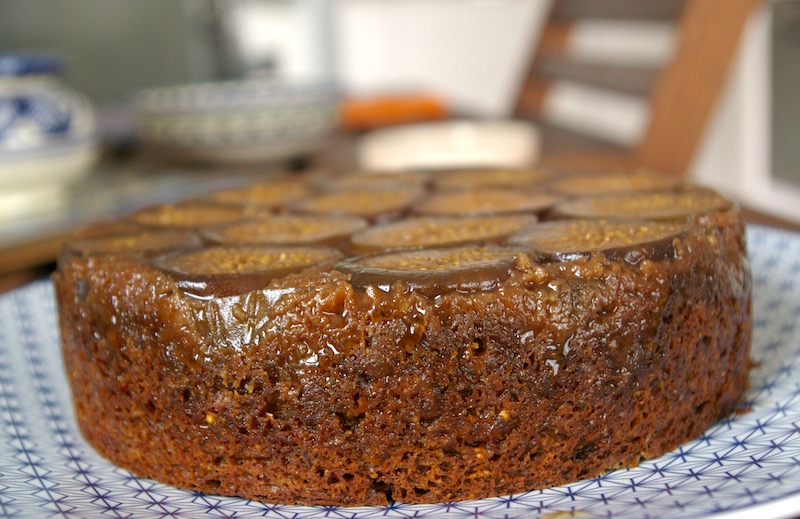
point(334, 394)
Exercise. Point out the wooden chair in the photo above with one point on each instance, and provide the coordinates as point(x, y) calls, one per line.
point(663, 101)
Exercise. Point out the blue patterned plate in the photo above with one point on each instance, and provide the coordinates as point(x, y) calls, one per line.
point(745, 465)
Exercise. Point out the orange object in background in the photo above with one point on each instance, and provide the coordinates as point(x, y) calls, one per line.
point(366, 113)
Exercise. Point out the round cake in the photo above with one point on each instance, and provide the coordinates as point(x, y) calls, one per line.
point(419, 337)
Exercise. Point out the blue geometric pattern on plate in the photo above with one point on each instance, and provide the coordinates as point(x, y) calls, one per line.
point(748, 460)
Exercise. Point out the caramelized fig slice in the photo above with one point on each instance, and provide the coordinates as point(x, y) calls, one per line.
point(484, 202)
point(228, 270)
point(656, 205)
point(190, 215)
point(108, 228)
point(373, 205)
point(142, 242)
point(439, 231)
point(264, 194)
point(489, 178)
point(287, 229)
point(629, 240)
point(376, 181)
point(433, 271)
point(610, 182)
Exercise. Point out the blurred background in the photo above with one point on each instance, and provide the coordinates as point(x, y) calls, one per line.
point(165, 99)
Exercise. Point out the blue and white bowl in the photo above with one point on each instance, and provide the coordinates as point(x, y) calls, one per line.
point(47, 131)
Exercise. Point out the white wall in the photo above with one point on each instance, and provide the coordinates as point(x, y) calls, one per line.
point(472, 52)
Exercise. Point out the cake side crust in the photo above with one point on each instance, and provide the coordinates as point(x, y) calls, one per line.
point(315, 391)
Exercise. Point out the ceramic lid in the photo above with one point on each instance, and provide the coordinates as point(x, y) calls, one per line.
point(30, 64)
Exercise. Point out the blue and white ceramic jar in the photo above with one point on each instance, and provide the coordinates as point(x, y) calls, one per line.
point(36, 109)
point(47, 130)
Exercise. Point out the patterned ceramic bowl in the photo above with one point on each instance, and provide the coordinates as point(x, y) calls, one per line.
point(248, 120)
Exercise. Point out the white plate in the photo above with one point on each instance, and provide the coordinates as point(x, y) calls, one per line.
point(745, 466)
point(45, 198)
point(60, 164)
point(450, 144)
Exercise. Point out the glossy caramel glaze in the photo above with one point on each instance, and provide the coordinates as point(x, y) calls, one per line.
point(420, 375)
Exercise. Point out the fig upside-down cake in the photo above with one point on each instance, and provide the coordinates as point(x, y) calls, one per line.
point(420, 337)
